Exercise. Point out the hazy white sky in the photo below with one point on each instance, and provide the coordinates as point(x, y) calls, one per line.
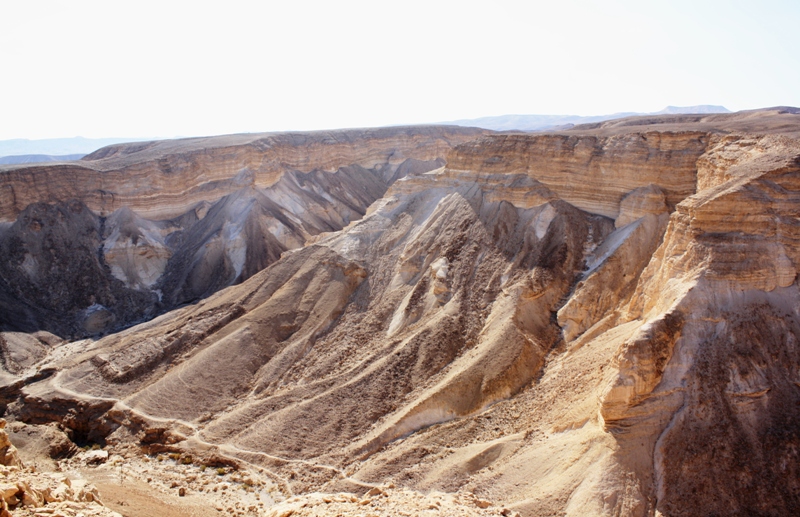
point(168, 68)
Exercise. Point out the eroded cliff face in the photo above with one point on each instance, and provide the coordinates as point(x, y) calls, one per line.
point(507, 325)
point(590, 172)
point(137, 229)
point(714, 369)
point(165, 179)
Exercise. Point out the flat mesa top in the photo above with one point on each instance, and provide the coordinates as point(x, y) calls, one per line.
point(780, 120)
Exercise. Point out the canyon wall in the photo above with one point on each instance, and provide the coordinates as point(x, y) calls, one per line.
point(164, 179)
point(137, 229)
point(593, 173)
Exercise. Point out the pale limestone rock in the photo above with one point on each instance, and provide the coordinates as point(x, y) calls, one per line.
point(8, 453)
point(674, 360)
point(176, 221)
point(28, 492)
point(587, 171)
point(135, 249)
point(648, 200)
point(94, 457)
point(389, 501)
point(8, 492)
point(613, 270)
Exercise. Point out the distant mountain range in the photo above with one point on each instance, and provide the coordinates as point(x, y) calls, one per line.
point(556, 122)
point(38, 158)
point(54, 149)
point(65, 149)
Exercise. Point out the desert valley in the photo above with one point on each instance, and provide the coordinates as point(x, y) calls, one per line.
point(412, 320)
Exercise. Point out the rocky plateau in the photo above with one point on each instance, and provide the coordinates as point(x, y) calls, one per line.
point(416, 321)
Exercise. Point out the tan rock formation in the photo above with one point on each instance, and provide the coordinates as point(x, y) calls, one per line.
point(8, 453)
point(165, 179)
point(590, 171)
point(718, 297)
point(28, 492)
point(640, 202)
point(224, 209)
point(611, 275)
point(135, 249)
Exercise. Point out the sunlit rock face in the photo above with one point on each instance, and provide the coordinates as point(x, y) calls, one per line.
point(593, 173)
point(595, 322)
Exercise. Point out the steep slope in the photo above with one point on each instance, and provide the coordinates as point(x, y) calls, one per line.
point(592, 173)
point(572, 324)
point(137, 229)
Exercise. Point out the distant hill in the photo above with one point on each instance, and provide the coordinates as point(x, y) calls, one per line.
point(557, 122)
point(39, 158)
point(703, 109)
point(58, 146)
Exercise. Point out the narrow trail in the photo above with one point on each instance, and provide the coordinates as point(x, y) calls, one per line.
point(226, 450)
point(235, 453)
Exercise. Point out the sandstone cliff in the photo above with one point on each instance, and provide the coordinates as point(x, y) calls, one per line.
point(592, 173)
point(164, 179)
point(507, 325)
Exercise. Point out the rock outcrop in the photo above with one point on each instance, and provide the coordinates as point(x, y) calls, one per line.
point(592, 173)
point(719, 298)
point(28, 492)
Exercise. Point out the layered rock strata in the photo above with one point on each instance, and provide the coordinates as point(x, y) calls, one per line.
point(593, 173)
point(137, 229)
point(165, 179)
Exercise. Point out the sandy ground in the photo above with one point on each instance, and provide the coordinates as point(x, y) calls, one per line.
point(135, 498)
point(143, 486)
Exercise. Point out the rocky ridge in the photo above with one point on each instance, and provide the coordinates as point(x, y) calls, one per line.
point(506, 326)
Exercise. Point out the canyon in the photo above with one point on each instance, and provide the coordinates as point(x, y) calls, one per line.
point(598, 321)
point(135, 230)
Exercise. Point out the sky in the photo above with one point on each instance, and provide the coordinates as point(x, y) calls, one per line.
point(170, 68)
